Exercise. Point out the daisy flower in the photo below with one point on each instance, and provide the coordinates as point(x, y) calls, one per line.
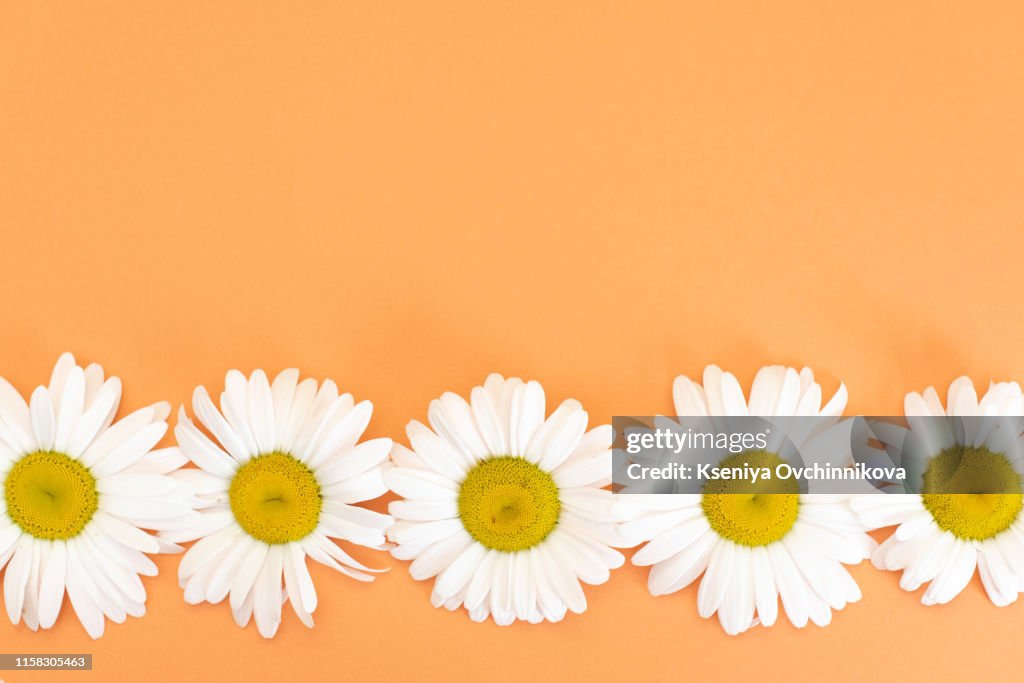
point(752, 549)
point(282, 478)
point(78, 491)
point(945, 531)
point(504, 507)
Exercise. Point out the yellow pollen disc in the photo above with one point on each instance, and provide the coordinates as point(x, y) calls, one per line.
point(50, 495)
point(751, 513)
point(972, 493)
point(275, 498)
point(509, 504)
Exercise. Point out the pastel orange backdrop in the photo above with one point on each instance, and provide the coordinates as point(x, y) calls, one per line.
point(405, 196)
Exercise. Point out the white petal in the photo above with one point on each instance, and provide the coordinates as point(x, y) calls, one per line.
point(669, 543)
point(962, 399)
point(457, 575)
point(764, 392)
point(135, 485)
point(247, 571)
point(325, 415)
point(362, 487)
point(95, 419)
point(51, 591)
point(125, 533)
point(219, 583)
point(10, 534)
point(837, 404)
point(526, 414)
point(260, 405)
point(243, 613)
point(712, 381)
point(16, 418)
point(61, 370)
point(304, 582)
point(439, 556)
point(302, 404)
point(292, 582)
point(426, 532)
point(717, 577)
point(282, 391)
point(142, 508)
point(736, 613)
point(118, 433)
point(130, 451)
point(765, 594)
point(556, 439)
point(16, 578)
point(69, 410)
point(488, 421)
point(688, 397)
point(44, 424)
point(436, 453)
point(733, 401)
point(789, 394)
point(452, 418)
point(558, 571)
point(88, 612)
point(202, 451)
point(420, 485)
point(954, 577)
point(234, 406)
point(212, 419)
point(267, 590)
point(680, 570)
point(206, 550)
point(354, 461)
point(584, 472)
point(792, 588)
point(343, 434)
point(424, 510)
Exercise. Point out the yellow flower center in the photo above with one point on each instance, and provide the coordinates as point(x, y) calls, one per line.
point(972, 493)
point(50, 495)
point(747, 512)
point(507, 503)
point(275, 498)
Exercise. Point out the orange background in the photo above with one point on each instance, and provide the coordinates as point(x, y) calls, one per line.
point(407, 196)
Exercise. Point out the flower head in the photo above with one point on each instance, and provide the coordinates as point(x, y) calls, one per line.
point(282, 476)
point(504, 506)
point(79, 490)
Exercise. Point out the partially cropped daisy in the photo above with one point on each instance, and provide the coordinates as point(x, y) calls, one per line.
point(963, 508)
point(79, 489)
point(753, 549)
point(504, 507)
point(282, 479)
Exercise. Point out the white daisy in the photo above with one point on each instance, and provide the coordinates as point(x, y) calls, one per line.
point(943, 532)
point(282, 479)
point(503, 506)
point(78, 490)
point(752, 548)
